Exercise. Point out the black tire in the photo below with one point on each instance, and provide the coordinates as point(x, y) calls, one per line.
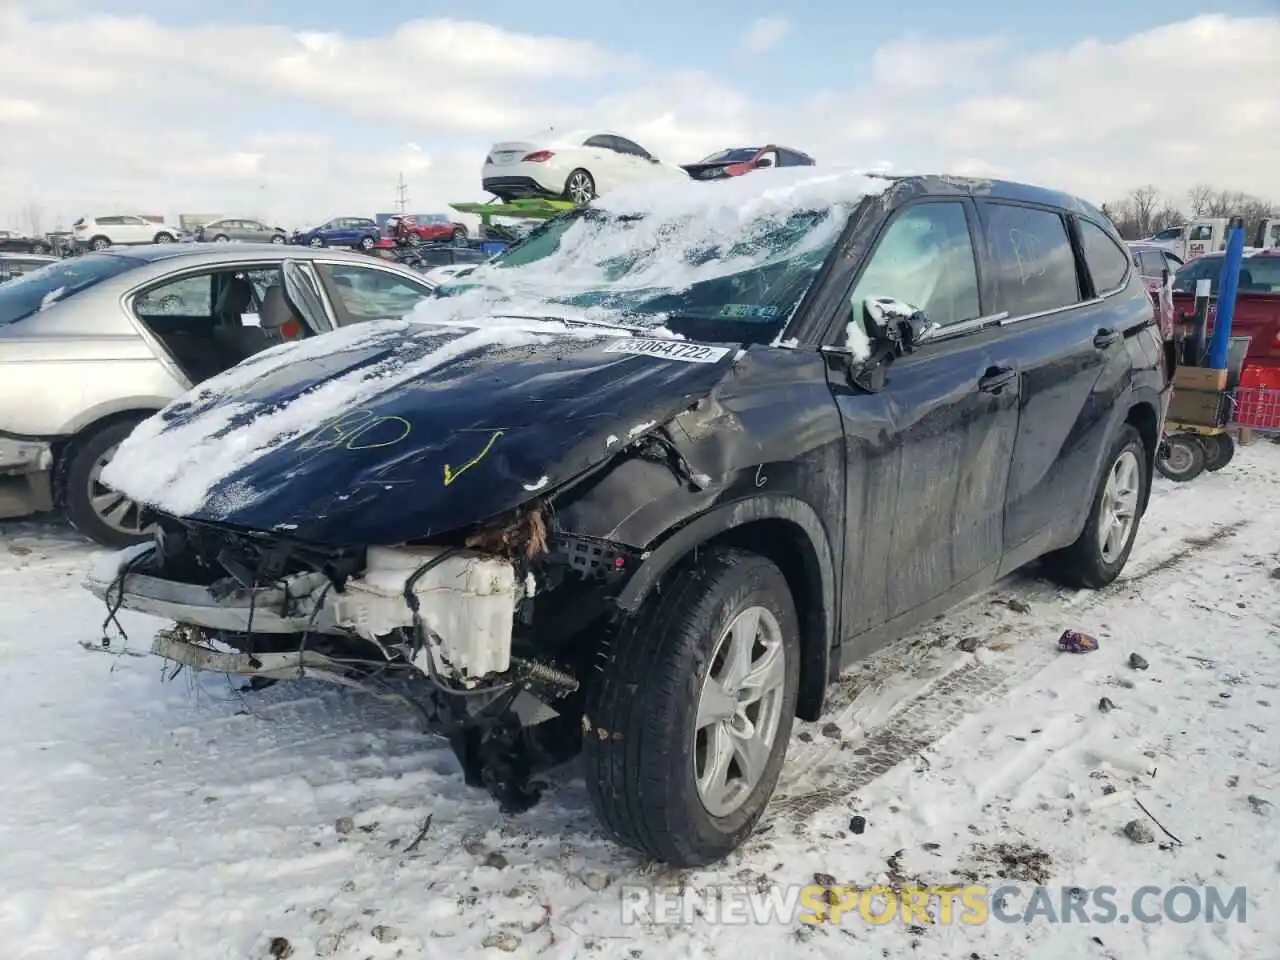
point(74, 471)
point(579, 187)
point(459, 236)
point(1219, 450)
point(164, 237)
point(279, 238)
point(641, 708)
point(100, 243)
point(221, 238)
point(1181, 458)
point(1083, 564)
point(316, 242)
point(366, 244)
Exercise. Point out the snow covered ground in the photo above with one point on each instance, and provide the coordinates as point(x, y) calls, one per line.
point(189, 820)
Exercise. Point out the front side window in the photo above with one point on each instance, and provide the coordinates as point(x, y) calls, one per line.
point(1108, 263)
point(1172, 233)
point(925, 259)
point(1035, 263)
point(369, 294)
point(1201, 232)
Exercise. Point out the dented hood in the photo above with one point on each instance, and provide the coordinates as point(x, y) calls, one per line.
point(401, 430)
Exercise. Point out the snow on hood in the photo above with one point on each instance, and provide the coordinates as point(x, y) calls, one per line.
point(175, 465)
point(659, 238)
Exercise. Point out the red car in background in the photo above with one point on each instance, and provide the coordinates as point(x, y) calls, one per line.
point(735, 161)
point(441, 229)
point(1257, 313)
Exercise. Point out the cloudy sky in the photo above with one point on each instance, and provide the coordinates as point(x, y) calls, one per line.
point(297, 110)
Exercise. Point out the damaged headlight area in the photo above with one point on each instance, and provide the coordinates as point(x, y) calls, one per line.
point(453, 622)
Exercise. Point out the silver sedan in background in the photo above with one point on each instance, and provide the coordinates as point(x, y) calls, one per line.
point(92, 345)
point(239, 229)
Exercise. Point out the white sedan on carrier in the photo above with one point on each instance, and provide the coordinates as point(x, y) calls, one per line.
point(570, 166)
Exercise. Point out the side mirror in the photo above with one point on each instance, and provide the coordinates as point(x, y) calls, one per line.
point(894, 326)
point(764, 162)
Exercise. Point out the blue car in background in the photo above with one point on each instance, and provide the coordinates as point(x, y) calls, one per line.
point(361, 232)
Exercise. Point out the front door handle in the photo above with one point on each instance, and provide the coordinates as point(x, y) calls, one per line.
point(1105, 338)
point(996, 379)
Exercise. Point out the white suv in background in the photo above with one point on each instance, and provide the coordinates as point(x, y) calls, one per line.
point(570, 166)
point(98, 233)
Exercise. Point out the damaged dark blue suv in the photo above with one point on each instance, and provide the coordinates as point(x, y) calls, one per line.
point(642, 486)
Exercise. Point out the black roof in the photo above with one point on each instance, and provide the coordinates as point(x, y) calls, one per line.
point(996, 190)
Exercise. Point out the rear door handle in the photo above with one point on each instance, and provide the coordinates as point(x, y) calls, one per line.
point(1105, 338)
point(996, 379)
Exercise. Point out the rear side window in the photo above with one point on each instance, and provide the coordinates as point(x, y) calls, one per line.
point(1035, 264)
point(1107, 261)
point(43, 287)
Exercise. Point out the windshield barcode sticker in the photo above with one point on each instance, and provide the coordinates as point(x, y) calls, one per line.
point(680, 350)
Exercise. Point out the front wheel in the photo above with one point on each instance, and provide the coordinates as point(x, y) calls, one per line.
point(686, 724)
point(277, 239)
point(366, 244)
point(163, 237)
point(1102, 549)
point(316, 242)
point(1181, 458)
point(222, 238)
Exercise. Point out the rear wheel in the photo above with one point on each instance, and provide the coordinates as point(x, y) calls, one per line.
point(99, 513)
point(1219, 450)
point(1180, 457)
point(163, 237)
point(1102, 549)
point(580, 188)
point(222, 238)
point(278, 238)
point(686, 724)
point(316, 242)
point(459, 236)
point(99, 243)
point(366, 244)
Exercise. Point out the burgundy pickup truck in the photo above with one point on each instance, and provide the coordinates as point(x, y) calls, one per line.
point(1257, 313)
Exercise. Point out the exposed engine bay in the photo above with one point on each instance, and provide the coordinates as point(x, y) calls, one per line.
point(464, 625)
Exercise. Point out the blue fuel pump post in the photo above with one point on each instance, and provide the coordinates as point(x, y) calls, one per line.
point(1228, 284)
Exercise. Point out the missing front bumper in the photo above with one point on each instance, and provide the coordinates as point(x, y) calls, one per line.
point(466, 605)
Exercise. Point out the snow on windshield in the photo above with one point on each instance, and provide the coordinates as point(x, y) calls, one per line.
point(663, 239)
point(177, 466)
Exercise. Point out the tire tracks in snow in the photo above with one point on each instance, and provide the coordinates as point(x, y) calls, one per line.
point(925, 717)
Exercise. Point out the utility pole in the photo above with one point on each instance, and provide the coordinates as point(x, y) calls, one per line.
point(402, 195)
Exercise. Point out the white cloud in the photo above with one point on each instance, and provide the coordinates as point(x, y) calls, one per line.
point(764, 34)
point(271, 121)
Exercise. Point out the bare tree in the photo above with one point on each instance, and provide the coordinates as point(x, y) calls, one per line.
point(1144, 201)
point(1199, 198)
point(33, 218)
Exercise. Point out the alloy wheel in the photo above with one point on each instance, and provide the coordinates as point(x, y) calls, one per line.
point(739, 710)
point(114, 509)
point(580, 189)
point(1119, 506)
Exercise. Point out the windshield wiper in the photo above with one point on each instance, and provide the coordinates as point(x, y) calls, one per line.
point(574, 321)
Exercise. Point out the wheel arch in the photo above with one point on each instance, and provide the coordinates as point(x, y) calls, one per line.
point(788, 532)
